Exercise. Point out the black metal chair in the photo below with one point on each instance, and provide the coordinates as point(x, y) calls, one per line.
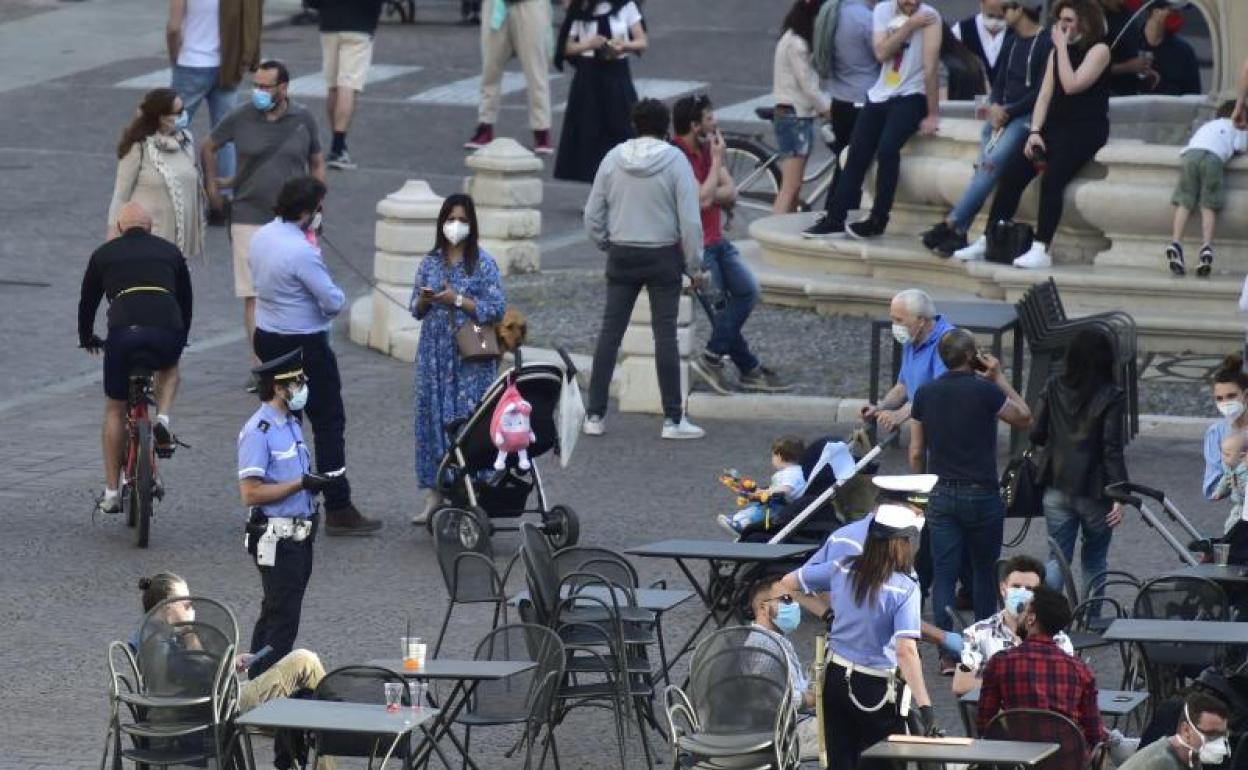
point(175, 696)
point(359, 684)
point(466, 558)
point(1041, 726)
point(1175, 597)
point(528, 698)
point(737, 709)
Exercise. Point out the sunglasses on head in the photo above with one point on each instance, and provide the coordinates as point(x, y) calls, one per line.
point(782, 598)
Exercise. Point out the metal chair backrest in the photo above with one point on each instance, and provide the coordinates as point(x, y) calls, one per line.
point(611, 565)
point(1174, 597)
point(540, 574)
point(526, 696)
point(739, 681)
point(1041, 726)
point(465, 556)
point(358, 684)
point(1068, 576)
point(186, 647)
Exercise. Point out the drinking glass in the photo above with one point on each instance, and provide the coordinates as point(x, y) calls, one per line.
point(394, 695)
point(411, 645)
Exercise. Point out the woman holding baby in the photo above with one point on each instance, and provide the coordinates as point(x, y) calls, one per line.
point(1079, 422)
point(1225, 439)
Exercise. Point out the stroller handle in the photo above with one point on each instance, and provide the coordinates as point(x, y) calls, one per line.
point(1131, 487)
point(1120, 493)
point(569, 368)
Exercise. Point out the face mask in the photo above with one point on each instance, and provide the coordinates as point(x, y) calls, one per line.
point(788, 617)
point(901, 334)
point(182, 122)
point(1231, 410)
point(315, 223)
point(298, 400)
point(994, 24)
point(455, 231)
point(1210, 752)
point(1016, 598)
point(261, 100)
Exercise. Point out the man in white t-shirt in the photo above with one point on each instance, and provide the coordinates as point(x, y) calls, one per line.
point(905, 99)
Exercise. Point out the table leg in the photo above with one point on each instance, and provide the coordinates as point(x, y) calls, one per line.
point(441, 727)
point(1016, 376)
point(708, 601)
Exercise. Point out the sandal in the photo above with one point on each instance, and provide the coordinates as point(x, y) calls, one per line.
point(1174, 255)
point(1206, 261)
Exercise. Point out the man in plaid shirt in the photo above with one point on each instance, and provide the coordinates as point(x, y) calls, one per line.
point(1038, 675)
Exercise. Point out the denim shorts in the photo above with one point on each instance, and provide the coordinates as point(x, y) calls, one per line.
point(794, 135)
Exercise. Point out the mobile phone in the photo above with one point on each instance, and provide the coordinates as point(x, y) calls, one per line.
point(425, 291)
point(977, 363)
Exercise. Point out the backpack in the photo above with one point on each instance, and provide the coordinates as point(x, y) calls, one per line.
point(825, 37)
point(1007, 240)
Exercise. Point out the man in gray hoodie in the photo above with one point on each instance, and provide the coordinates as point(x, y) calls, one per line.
point(643, 211)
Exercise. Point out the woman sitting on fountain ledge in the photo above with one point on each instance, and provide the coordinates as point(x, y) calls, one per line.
point(1069, 125)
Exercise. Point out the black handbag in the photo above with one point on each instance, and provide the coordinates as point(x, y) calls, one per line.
point(1021, 490)
point(1007, 240)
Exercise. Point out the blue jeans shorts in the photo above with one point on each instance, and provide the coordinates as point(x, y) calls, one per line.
point(794, 135)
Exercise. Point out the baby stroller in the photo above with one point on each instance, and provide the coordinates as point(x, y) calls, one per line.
point(466, 475)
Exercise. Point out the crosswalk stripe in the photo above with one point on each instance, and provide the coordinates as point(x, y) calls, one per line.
point(467, 92)
point(743, 112)
point(310, 85)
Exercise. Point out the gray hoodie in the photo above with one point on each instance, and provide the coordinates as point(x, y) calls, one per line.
point(644, 194)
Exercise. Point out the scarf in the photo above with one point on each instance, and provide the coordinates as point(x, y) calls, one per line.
point(187, 215)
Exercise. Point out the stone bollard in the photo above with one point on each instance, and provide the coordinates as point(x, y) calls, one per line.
point(506, 186)
point(637, 376)
point(405, 233)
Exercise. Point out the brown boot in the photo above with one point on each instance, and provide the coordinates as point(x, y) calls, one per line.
point(348, 521)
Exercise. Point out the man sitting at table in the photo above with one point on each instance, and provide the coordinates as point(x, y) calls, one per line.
point(777, 611)
point(1199, 741)
point(1037, 674)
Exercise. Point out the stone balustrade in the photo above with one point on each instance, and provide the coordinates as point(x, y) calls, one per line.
point(506, 186)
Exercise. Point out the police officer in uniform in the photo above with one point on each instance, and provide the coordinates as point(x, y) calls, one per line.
point(874, 676)
point(278, 487)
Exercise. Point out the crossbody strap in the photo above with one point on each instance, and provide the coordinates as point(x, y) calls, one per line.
point(258, 161)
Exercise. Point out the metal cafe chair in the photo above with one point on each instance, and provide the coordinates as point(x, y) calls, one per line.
point(466, 559)
point(1042, 726)
point(358, 684)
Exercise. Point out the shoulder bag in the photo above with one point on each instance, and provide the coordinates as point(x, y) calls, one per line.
point(1007, 240)
point(476, 341)
point(1021, 490)
point(247, 172)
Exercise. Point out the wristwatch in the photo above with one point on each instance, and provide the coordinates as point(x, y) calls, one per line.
point(459, 300)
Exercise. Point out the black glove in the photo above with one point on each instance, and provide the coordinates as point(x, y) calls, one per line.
point(315, 482)
point(927, 720)
point(92, 344)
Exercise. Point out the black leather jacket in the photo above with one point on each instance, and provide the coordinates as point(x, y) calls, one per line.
point(1083, 447)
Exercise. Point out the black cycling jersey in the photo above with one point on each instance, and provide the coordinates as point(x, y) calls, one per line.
point(145, 279)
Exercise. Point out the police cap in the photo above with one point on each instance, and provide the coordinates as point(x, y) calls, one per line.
point(285, 367)
point(911, 489)
point(895, 521)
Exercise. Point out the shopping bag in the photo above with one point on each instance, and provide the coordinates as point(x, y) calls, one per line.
point(571, 417)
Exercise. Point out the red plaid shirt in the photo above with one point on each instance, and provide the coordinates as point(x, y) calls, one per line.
point(1038, 675)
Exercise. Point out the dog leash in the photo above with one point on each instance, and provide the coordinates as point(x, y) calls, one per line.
point(360, 273)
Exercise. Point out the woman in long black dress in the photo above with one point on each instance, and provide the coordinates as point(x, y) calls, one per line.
point(597, 37)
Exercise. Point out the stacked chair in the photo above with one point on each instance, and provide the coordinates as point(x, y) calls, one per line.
point(1049, 331)
point(173, 698)
point(466, 559)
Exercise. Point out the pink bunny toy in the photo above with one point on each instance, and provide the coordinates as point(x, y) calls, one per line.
point(510, 429)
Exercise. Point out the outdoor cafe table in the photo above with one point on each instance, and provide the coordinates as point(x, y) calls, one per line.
point(720, 587)
point(1145, 630)
point(1115, 704)
point(656, 600)
point(1229, 574)
point(326, 716)
point(466, 674)
point(977, 752)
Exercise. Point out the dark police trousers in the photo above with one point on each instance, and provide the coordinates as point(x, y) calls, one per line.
point(849, 731)
point(324, 407)
point(284, 585)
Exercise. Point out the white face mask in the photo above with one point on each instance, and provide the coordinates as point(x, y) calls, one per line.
point(994, 24)
point(1211, 752)
point(455, 231)
point(902, 334)
point(1231, 410)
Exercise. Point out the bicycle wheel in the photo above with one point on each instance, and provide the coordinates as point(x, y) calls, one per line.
point(756, 173)
point(144, 480)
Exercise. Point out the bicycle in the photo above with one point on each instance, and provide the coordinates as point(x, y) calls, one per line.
point(140, 484)
point(754, 165)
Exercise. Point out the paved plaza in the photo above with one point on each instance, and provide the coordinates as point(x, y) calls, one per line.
point(67, 581)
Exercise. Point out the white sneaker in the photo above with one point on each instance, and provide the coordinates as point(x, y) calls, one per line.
point(1035, 257)
point(681, 430)
point(974, 252)
point(594, 426)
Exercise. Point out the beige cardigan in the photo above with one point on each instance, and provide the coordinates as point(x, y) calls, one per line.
point(794, 80)
point(139, 180)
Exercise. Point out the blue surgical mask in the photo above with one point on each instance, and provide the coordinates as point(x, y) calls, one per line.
point(182, 122)
point(1016, 599)
point(299, 399)
point(261, 100)
point(788, 617)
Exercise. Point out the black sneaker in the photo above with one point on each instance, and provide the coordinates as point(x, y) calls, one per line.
point(1206, 261)
point(867, 228)
point(824, 227)
point(954, 241)
point(711, 369)
point(1174, 257)
point(937, 236)
point(760, 379)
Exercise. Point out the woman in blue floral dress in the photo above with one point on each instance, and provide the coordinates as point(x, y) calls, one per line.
point(457, 282)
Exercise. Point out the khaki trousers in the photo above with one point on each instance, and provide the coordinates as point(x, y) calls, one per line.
point(526, 35)
point(300, 670)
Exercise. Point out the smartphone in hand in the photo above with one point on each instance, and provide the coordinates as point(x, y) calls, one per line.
point(977, 363)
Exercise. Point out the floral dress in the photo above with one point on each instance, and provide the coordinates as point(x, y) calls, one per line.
point(447, 387)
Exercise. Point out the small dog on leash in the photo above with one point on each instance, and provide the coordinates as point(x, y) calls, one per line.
point(511, 331)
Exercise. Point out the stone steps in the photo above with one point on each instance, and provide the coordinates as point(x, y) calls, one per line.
point(842, 275)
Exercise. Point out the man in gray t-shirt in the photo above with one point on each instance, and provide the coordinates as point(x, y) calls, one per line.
point(276, 140)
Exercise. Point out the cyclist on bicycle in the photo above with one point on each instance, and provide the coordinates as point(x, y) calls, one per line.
point(148, 287)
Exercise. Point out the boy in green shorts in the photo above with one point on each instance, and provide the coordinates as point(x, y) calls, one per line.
point(1201, 183)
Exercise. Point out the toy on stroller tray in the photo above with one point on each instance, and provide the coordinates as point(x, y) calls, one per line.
point(467, 475)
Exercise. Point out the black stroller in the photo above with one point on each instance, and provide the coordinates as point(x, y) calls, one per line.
point(466, 475)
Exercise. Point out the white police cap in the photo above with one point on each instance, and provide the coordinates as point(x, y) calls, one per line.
point(920, 483)
point(894, 521)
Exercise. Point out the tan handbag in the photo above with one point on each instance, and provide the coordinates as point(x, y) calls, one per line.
point(476, 342)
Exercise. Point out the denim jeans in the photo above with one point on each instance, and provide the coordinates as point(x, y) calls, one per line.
point(964, 517)
point(988, 169)
point(197, 84)
point(1067, 515)
point(736, 283)
point(881, 130)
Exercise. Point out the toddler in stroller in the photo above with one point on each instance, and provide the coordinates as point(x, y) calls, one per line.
point(787, 484)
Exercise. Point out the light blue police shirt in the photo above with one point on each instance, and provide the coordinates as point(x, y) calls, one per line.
point(867, 634)
point(271, 448)
point(920, 364)
point(816, 574)
point(294, 291)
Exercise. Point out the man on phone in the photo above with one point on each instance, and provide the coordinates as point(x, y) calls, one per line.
point(697, 135)
point(954, 434)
